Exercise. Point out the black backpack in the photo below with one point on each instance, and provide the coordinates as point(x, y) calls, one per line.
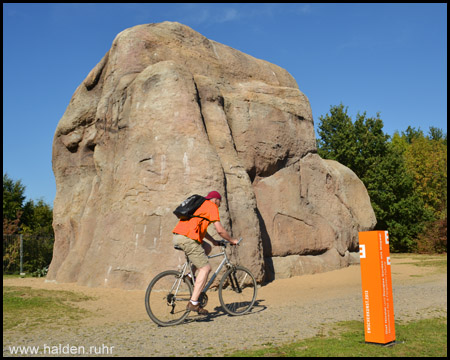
point(187, 208)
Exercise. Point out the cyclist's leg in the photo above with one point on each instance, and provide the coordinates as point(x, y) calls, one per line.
point(199, 259)
point(200, 281)
point(202, 277)
point(207, 249)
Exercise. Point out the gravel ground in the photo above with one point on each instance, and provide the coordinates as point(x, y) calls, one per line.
point(286, 310)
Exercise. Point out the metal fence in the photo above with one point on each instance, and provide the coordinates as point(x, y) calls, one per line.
point(27, 254)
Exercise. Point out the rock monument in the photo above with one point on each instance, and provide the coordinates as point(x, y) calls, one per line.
point(168, 113)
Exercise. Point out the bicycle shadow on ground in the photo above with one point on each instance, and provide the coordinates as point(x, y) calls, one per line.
point(219, 312)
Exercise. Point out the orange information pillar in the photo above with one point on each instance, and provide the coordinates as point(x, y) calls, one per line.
point(376, 284)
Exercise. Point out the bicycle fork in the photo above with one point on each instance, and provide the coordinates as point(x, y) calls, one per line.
point(234, 282)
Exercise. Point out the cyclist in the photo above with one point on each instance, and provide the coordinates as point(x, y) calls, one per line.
point(189, 235)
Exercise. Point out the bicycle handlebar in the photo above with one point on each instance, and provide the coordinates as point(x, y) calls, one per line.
point(225, 243)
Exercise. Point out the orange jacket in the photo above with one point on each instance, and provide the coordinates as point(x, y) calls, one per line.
point(195, 228)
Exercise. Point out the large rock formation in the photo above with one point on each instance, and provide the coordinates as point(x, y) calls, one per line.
point(168, 113)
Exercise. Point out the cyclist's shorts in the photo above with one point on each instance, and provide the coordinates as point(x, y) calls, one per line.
point(192, 249)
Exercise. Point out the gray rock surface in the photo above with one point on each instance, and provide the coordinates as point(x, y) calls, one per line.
point(168, 113)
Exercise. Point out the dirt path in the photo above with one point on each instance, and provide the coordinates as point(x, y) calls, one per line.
point(287, 310)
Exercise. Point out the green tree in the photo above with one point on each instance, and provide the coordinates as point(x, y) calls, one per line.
point(39, 219)
point(411, 133)
point(32, 218)
point(397, 207)
point(357, 145)
point(337, 139)
point(426, 160)
point(399, 142)
point(437, 134)
point(363, 147)
point(371, 143)
point(13, 197)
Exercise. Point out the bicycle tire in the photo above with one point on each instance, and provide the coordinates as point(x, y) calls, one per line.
point(240, 300)
point(166, 298)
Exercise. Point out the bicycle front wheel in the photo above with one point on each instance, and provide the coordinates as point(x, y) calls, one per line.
point(166, 298)
point(237, 291)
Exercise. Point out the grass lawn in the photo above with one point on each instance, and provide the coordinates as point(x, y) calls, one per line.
point(27, 307)
point(418, 338)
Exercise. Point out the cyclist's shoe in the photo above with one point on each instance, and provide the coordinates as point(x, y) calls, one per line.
point(196, 308)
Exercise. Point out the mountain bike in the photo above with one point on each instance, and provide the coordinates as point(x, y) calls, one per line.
point(169, 292)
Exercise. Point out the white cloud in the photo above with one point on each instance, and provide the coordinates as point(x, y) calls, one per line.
point(210, 15)
point(304, 9)
point(228, 15)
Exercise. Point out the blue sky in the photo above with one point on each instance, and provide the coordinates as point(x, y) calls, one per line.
point(387, 58)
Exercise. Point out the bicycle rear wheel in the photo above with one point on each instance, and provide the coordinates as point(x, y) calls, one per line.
point(237, 291)
point(166, 298)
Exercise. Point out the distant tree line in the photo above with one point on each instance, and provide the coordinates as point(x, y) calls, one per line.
point(30, 219)
point(405, 176)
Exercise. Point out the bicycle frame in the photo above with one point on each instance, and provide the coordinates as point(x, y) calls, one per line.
point(235, 300)
point(224, 261)
point(213, 277)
